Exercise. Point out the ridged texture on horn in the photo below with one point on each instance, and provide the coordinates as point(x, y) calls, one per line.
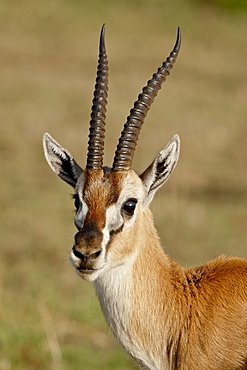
point(129, 136)
point(97, 122)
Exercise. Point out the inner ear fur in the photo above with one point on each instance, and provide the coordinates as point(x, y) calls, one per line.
point(61, 161)
point(161, 168)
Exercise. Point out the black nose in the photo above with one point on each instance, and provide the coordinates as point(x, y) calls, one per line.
point(89, 256)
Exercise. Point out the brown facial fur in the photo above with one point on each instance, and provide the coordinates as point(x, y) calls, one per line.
point(101, 189)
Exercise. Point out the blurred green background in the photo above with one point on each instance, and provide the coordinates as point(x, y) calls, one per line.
point(49, 318)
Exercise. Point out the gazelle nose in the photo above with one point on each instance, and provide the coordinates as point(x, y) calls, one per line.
point(87, 256)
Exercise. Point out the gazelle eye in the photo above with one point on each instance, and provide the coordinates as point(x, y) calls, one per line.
point(76, 201)
point(129, 206)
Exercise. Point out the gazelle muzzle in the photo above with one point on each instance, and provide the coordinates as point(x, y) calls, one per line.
point(87, 245)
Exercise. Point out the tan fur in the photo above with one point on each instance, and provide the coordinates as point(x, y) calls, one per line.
point(189, 319)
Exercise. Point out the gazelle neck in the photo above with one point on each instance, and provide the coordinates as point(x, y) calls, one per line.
point(133, 298)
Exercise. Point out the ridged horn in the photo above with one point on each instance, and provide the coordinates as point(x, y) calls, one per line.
point(127, 143)
point(97, 122)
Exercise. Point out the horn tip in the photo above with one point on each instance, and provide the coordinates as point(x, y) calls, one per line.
point(102, 37)
point(178, 41)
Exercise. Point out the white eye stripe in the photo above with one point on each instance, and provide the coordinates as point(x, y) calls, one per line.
point(106, 238)
point(81, 214)
point(114, 219)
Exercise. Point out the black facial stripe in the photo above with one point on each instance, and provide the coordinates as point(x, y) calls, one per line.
point(114, 232)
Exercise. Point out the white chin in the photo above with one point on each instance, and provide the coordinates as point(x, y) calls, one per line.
point(89, 276)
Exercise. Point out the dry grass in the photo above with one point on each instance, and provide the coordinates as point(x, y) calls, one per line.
point(50, 319)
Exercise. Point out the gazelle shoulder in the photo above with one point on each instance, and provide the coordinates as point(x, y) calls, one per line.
point(225, 273)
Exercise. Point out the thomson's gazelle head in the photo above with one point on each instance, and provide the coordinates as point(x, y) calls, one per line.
point(109, 201)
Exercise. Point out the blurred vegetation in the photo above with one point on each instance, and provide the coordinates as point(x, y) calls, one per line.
point(50, 319)
point(230, 4)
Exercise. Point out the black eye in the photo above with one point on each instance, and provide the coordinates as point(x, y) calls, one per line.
point(76, 201)
point(129, 206)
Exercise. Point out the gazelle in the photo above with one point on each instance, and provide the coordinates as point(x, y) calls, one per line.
point(165, 317)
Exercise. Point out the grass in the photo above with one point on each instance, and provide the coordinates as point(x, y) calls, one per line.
point(50, 319)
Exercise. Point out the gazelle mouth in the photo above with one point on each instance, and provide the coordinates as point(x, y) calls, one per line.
point(85, 270)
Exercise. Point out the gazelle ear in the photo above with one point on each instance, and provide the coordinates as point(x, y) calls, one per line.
point(61, 161)
point(161, 168)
